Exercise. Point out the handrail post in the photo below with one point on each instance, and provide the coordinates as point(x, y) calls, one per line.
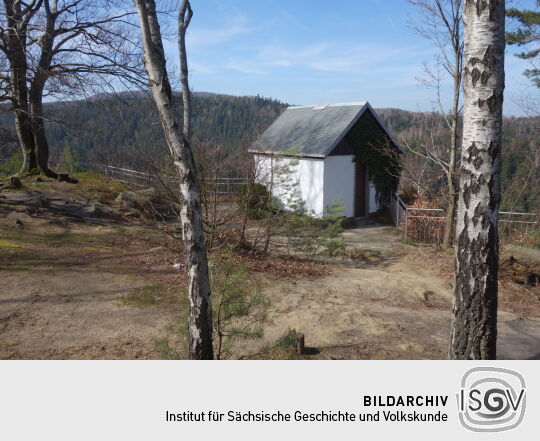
point(406, 223)
point(396, 208)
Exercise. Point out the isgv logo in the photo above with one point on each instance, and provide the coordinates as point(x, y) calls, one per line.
point(491, 399)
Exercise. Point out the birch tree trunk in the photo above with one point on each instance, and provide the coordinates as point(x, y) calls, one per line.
point(184, 17)
point(200, 314)
point(474, 320)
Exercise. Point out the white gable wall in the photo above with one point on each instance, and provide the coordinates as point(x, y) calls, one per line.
point(291, 178)
point(318, 182)
point(339, 182)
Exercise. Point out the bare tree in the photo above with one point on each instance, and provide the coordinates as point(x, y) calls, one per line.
point(442, 25)
point(14, 24)
point(60, 48)
point(474, 319)
point(200, 314)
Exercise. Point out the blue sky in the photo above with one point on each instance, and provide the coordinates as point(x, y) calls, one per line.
point(315, 51)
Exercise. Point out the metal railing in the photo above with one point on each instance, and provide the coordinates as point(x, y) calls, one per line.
point(221, 186)
point(427, 225)
point(519, 228)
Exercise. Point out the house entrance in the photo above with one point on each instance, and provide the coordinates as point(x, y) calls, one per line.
point(360, 190)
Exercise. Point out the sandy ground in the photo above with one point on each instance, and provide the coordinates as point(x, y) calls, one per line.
point(385, 306)
point(64, 285)
point(66, 303)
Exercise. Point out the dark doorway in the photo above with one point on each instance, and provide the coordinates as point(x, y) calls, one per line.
point(360, 190)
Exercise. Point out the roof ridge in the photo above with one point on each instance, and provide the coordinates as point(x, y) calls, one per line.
point(323, 105)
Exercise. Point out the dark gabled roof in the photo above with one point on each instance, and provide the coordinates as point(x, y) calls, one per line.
point(312, 131)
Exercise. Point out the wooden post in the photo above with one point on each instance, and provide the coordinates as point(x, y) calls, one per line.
point(300, 343)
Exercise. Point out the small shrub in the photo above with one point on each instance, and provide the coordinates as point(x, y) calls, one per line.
point(283, 348)
point(165, 351)
point(309, 234)
point(255, 199)
point(533, 238)
point(239, 308)
point(333, 227)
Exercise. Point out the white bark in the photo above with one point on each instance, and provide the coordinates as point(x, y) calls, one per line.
point(200, 315)
point(184, 18)
point(474, 321)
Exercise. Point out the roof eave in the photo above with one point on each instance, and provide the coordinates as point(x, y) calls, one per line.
point(288, 155)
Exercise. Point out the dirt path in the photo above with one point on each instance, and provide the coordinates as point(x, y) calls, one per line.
point(386, 306)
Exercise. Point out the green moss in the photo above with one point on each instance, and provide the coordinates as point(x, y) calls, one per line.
point(25, 237)
point(3, 243)
point(97, 186)
point(149, 295)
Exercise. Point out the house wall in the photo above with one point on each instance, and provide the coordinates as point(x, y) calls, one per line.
point(318, 182)
point(339, 182)
point(293, 178)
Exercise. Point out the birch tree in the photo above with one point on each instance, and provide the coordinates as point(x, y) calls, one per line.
point(442, 25)
point(200, 314)
point(474, 316)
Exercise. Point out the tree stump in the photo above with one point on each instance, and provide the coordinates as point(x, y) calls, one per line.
point(15, 182)
point(300, 343)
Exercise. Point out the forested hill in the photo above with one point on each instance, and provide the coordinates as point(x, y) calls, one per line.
point(115, 131)
point(520, 169)
point(127, 132)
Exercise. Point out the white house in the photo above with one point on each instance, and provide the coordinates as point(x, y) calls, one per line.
point(310, 152)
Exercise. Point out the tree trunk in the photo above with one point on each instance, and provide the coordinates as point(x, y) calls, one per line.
point(23, 127)
point(451, 211)
point(474, 319)
point(15, 41)
point(200, 316)
point(452, 163)
point(451, 176)
point(40, 139)
point(184, 17)
point(23, 123)
point(36, 91)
